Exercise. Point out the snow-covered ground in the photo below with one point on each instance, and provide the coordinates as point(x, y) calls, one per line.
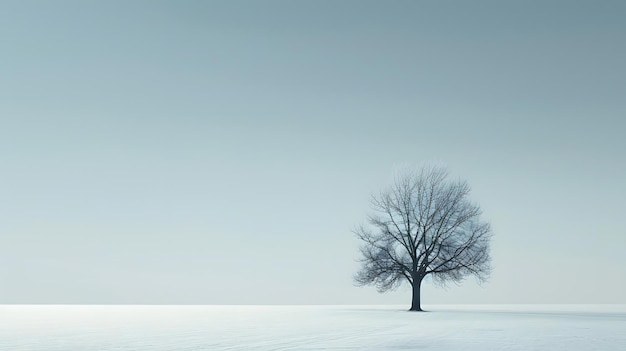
point(469, 327)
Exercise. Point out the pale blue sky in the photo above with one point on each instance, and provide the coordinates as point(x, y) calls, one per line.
point(222, 151)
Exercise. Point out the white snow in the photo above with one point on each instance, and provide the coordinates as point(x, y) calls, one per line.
point(469, 327)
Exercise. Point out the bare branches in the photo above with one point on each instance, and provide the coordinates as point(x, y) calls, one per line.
point(424, 224)
point(383, 265)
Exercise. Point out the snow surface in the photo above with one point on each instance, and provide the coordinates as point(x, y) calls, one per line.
point(469, 327)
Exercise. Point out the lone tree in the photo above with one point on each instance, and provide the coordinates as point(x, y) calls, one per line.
point(423, 225)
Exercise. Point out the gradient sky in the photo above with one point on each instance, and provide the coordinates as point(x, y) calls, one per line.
point(220, 152)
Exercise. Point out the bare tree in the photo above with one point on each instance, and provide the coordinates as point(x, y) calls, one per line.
point(424, 225)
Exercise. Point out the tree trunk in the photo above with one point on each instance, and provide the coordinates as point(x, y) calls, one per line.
point(415, 302)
